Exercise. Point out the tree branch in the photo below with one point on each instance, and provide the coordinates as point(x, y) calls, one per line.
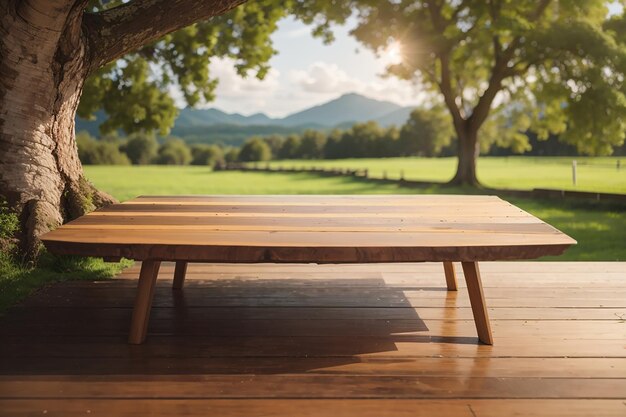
point(445, 85)
point(501, 71)
point(115, 32)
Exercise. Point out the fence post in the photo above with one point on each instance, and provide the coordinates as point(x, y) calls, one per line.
point(574, 171)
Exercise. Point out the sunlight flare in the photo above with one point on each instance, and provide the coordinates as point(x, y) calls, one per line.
point(393, 54)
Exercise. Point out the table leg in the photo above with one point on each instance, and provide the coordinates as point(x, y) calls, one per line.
point(477, 300)
point(448, 268)
point(179, 275)
point(143, 301)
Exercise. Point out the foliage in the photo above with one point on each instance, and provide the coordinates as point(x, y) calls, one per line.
point(174, 152)
point(255, 149)
point(290, 147)
point(312, 145)
point(9, 222)
point(558, 65)
point(135, 90)
point(141, 148)
point(100, 152)
point(275, 142)
point(18, 281)
point(207, 155)
point(426, 133)
point(231, 155)
point(9, 226)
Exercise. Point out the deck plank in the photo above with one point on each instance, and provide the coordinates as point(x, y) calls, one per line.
point(318, 340)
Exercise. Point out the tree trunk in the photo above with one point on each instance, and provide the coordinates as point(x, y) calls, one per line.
point(42, 71)
point(468, 150)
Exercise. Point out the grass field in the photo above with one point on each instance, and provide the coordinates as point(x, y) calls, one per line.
point(599, 229)
point(523, 173)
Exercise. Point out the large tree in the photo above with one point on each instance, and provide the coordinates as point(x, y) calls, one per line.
point(125, 55)
point(503, 67)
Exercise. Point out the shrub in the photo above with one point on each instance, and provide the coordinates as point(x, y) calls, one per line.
point(207, 155)
point(141, 148)
point(426, 133)
point(312, 145)
point(255, 149)
point(232, 155)
point(275, 142)
point(96, 152)
point(290, 147)
point(174, 152)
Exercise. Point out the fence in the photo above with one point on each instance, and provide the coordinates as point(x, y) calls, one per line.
point(363, 174)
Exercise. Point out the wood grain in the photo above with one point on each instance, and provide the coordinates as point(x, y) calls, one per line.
point(313, 340)
point(321, 229)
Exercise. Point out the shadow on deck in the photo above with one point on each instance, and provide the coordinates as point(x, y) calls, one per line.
point(339, 340)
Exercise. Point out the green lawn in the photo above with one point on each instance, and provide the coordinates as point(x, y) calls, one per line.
point(519, 172)
point(599, 229)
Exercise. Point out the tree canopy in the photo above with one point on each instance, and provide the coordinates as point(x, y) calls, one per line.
point(135, 91)
point(504, 67)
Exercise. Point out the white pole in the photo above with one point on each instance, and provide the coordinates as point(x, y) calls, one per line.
point(574, 172)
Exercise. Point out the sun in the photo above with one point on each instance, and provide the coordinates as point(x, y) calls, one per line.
point(392, 55)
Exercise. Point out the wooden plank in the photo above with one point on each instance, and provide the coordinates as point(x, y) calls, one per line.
point(448, 238)
point(350, 224)
point(249, 340)
point(324, 386)
point(451, 209)
point(27, 315)
point(355, 366)
point(315, 408)
point(283, 229)
point(397, 347)
point(357, 328)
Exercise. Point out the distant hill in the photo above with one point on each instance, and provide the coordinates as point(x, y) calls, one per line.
point(206, 117)
point(347, 108)
point(398, 117)
point(215, 126)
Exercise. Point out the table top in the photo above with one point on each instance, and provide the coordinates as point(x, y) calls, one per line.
point(316, 229)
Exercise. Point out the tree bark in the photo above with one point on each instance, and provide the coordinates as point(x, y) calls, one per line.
point(114, 32)
point(47, 50)
point(42, 71)
point(468, 150)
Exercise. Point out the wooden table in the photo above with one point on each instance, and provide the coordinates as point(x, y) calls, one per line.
point(309, 229)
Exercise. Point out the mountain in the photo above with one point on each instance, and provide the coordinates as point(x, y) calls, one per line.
point(213, 125)
point(203, 117)
point(398, 117)
point(347, 108)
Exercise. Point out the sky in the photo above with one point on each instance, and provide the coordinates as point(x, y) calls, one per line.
point(306, 72)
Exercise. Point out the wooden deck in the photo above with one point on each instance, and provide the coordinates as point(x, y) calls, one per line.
point(307, 340)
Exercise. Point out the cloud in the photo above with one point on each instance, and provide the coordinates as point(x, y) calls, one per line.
point(281, 94)
point(232, 85)
point(298, 32)
point(237, 94)
point(322, 78)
